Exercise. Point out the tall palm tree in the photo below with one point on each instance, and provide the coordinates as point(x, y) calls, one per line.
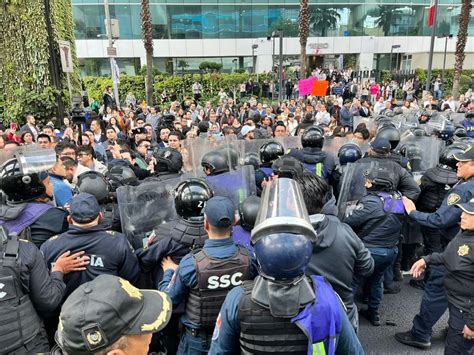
point(323, 19)
point(304, 32)
point(461, 45)
point(387, 15)
point(148, 43)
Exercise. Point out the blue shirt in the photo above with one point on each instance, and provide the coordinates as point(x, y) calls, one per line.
point(62, 192)
point(225, 339)
point(179, 283)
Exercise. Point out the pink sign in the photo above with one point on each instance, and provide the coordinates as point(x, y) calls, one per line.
point(304, 86)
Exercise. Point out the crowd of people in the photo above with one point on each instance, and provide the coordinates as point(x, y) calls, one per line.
point(192, 228)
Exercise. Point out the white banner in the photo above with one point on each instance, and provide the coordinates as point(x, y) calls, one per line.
point(66, 56)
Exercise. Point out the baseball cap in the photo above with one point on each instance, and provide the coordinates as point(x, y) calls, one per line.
point(381, 145)
point(84, 208)
point(246, 130)
point(467, 207)
point(467, 155)
point(99, 312)
point(219, 211)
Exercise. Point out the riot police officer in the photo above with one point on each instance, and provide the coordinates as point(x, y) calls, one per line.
point(434, 302)
point(168, 164)
point(214, 163)
point(204, 277)
point(248, 211)
point(348, 153)
point(109, 251)
point(283, 311)
point(379, 151)
point(95, 183)
point(28, 292)
point(315, 160)
point(393, 135)
point(269, 152)
point(27, 211)
point(177, 238)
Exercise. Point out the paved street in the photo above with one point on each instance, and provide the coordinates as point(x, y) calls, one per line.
point(399, 308)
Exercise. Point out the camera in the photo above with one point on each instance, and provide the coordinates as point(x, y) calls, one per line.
point(77, 113)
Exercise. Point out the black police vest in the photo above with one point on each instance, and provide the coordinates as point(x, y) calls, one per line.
point(215, 278)
point(19, 322)
point(262, 333)
point(187, 233)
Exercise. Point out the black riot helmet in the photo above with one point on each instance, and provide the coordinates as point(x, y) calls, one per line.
point(446, 157)
point(232, 156)
point(216, 162)
point(460, 132)
point(349, 153)
point(19, 187)
point(313, 137)
point(120, 175)
point(380, 177)
point(271, 151)
point(191, 196)
point(251, 158)
point(392, 134)
point(248, 211)
point(168, 160)
point(95, 184)
point(287, 167)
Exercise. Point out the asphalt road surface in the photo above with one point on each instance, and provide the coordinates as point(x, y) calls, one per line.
point(399, 308)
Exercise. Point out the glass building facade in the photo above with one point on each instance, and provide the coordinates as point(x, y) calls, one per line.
point(250, 19)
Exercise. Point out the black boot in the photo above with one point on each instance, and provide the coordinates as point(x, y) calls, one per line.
point(373, 316)
point(407, 338)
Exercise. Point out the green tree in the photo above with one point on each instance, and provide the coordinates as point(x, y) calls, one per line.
point(461, 45)
point(322, 19)
point(183, 64)
point(148, 44)
point(387, 16)
point(304, 33)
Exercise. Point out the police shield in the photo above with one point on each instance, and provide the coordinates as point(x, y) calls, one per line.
point(237, 185)
point(333, 144)
point(352, 187)
point(422, 152)
point(282, 210)
point(144, 207)
point(33, 159)
point(196, 149)
point(457, 118)
point(369, 122)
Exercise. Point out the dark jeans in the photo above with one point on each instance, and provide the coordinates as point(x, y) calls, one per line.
point(433, 304)
point(455, 341)
point(193, 345)
point(383, 259)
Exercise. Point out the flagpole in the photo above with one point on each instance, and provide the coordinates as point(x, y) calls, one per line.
point(433, 36)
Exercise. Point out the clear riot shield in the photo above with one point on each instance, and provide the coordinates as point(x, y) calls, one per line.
point(33, 159)
point(437, 123)
point(333, 144)
point(352, 187)
point(249, 147)
point(237, 185)
point(197, 148)
point(369, 122)
point(289, 143)
point(409, 121)
point(282, 210)
point(146, 206)
point(457, 118)
point(421, 152)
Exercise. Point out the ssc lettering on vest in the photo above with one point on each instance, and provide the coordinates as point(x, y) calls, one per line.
point(224, 281)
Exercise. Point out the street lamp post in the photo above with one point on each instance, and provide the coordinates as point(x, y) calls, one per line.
point(111, 44)
point(446, 37)
point(254, 59)
point(280, 67)
point(433, 35)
